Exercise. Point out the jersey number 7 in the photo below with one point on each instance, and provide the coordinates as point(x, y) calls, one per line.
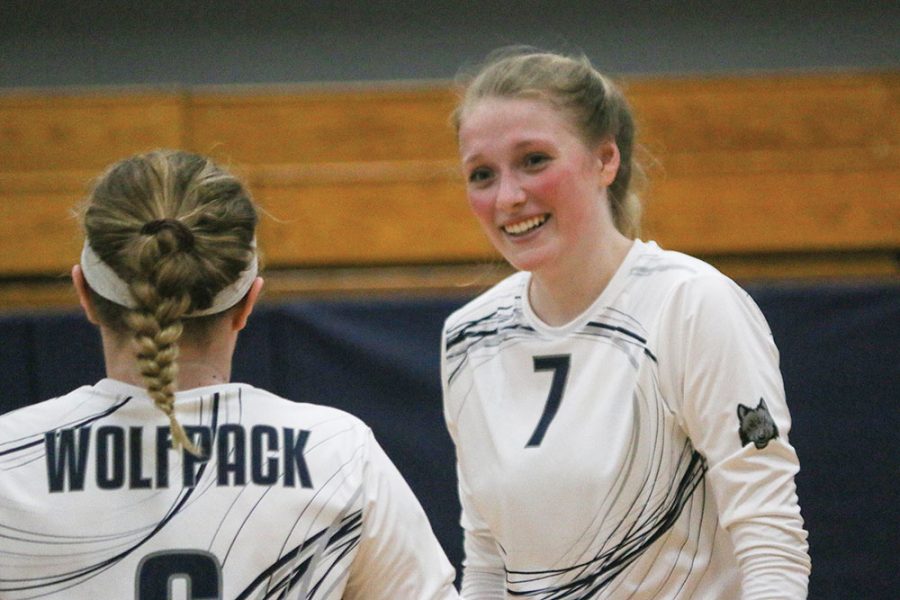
point(559, 364)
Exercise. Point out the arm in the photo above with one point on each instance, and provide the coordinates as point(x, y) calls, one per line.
point(399, 556)
point(726, 379)
point(483, 574)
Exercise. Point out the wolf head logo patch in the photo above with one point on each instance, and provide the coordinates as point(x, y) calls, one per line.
point(756, 425)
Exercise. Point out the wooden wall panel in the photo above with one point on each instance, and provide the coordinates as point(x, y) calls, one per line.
point(51, 146)
point(768, 113)
point(769, 164)
point(765, 175)
point(382, 222)
point(760, 213)
point(38, 233)
point(306, 127)
point(85, 131)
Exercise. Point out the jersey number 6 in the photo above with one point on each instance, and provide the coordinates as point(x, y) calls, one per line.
point(559, 364)
point(199, 570)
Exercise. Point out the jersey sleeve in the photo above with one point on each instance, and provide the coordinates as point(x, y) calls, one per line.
point(719, 364)
point(399, 555)
point(483, 573)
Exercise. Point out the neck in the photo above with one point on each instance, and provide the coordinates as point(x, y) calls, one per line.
point(199, 364)
point(559, 296)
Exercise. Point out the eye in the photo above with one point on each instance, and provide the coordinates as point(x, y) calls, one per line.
point(479, 175)
point(535, 160)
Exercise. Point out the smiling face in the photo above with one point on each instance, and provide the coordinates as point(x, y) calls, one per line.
point(537, 189)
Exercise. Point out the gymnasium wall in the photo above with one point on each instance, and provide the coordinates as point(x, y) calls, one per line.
point(782, 175)
point(769, 128)
point(379, 359)
point(771, 139)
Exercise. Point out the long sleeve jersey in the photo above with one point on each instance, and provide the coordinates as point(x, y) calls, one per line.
point(289, 500)
point(639, 451)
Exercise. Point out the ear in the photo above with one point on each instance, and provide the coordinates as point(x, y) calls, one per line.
point(84, 297)
point(608, 160)
point(240, 316)
point(742, 411)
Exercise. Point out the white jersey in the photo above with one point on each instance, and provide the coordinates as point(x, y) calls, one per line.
point(639, 451)
point(291, 501)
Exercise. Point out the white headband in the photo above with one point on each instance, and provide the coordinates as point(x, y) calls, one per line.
point(105, 282)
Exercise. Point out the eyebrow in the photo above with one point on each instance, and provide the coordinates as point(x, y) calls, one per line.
point(517, 146)
point(470, 159)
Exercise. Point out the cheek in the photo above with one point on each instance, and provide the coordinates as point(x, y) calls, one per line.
point(554, 187)
point(482, 206)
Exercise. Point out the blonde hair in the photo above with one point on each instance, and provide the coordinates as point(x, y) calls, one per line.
point(177, 229)
point(597, 108)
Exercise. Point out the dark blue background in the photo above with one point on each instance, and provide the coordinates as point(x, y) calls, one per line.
point(380, 361)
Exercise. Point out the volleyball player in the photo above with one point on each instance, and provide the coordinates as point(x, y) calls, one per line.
point(617, 409)
point(164, 480)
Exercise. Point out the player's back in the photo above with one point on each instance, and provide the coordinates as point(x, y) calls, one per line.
point(94, 504)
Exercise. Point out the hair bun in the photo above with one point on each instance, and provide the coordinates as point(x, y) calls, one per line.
point(183, 235)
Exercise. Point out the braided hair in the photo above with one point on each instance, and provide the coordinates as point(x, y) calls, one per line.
point(177, 229)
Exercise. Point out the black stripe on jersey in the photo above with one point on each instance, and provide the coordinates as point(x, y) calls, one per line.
point(488, 331)
point(617, 328)
point(39, 439)
point(340, 542)
point(73, 578)
point(624, 331)
point(503, 323)
point(602, 569)
point(469, 330)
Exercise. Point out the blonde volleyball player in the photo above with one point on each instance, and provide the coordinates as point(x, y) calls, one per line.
point(164, 480)
point(617, 409)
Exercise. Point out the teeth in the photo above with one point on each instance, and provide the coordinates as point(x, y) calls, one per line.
point(526, 225)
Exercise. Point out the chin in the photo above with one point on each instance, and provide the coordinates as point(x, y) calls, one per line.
point(527, 261)
point(527, 255)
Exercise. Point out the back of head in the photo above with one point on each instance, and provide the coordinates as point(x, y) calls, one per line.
point(169, 236)
point(596, 107)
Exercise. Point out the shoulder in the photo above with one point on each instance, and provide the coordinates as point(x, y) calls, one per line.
point(655, 281)
point(339, 437)
point(504, 295)
point(287, 410)
point(680, 287)
point(692, 295)
point(60, 404)
point(667, 273)
point(668, 268)
point(62, 411)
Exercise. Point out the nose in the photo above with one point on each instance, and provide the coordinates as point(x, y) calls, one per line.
point(510, 194)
